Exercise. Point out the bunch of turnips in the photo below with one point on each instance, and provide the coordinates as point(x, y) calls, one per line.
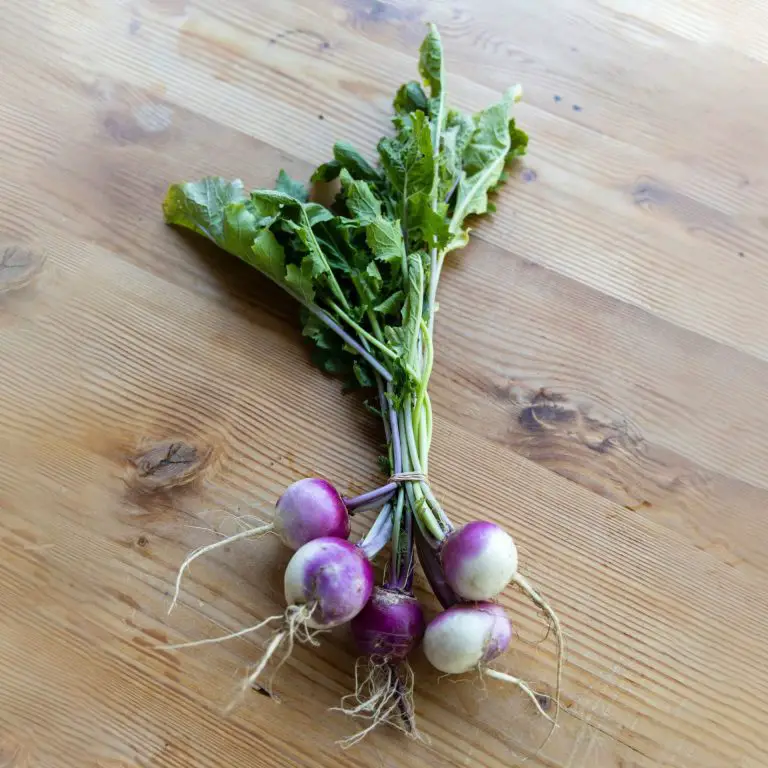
point(365, 271)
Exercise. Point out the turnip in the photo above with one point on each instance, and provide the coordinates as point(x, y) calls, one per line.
point(479, 560)
point(467, 637)
point(389, 627)
point(332, 577)
point(308, 509)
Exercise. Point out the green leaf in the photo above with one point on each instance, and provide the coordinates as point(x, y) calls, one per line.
point(408, 163)
point(391, 305)
point(428, 227)
point(317, 214)
point(240, 226)
point(348, 157)
point(301, 280)
point(385, 239)
point(361, 201)
point(199, 205)
point(397, 339)
point(373, 275)
point(315, 256)
point(410, 97)
point(268, 255)
point(363, 374)
point(327, 171)
point(385, 465)
point(291, 187)
point(407, 158)
point(458, 240)
point(332, 362)
point(484, 158)
point(456, 135)
point(490, 140)
point(273, 200)
point(431, 61)
point(322, 336)
point(518, 141)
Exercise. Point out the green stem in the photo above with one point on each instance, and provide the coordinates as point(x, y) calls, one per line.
point(429, 359)
point(436, 266)
point(423, 437)
point(444, 524)
point(374, 321)
point(415, 491)
point(397, 519)
point(369, 313)
point(360, 330)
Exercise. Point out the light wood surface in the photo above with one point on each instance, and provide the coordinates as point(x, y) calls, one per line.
point(600, 386)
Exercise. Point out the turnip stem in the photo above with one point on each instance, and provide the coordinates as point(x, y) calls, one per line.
point(396, 564)
point(521, 685)
point(369, 337)
point(433, 571)
point(415, 490)
point(384, 408)
point(346, 337)
point(394, 424)
point(371, 498)
point(381, 531)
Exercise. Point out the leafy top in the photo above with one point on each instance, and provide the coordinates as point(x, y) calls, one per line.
point(366, 268)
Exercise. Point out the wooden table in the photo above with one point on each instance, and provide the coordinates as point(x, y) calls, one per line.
point(600, 385)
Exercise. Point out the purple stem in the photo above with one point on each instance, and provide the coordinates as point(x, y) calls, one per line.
point(336, 328)
point(407, 565)
point(434, 571)
point(381, 531)
point(397, 453)
point(384, 406)
point(372, 498)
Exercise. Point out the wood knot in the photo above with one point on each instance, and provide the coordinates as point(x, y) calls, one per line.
point(167, 464)
point(18, 266)
point(548, 410)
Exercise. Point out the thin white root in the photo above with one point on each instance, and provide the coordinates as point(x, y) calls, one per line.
point(274, 644)
point(295, 628)
point(248, 533)
point(383, 695)
point(222, 638)
point(541, 603)
point(522, 686)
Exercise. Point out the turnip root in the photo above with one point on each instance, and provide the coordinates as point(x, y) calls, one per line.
point(389, 627)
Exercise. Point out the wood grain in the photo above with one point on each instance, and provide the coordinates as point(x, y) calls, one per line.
point(602, 366)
